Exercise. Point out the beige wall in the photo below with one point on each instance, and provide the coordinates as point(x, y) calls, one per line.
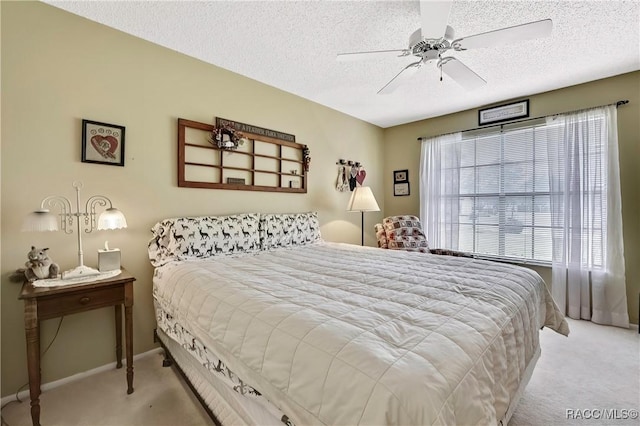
point(402, 151)
point(57, 69)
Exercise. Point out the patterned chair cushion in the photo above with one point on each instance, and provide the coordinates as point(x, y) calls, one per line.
point(399, 226)
point(381, 236)
point(288, 229)
point(405, 233)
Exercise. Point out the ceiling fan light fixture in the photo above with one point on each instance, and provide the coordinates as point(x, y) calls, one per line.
point(435, 37)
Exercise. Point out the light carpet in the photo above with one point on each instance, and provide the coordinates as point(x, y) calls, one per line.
point(595, 368)
point(160, 398)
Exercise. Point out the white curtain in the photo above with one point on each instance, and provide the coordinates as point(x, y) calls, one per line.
point(439, 189)
point(586, 216)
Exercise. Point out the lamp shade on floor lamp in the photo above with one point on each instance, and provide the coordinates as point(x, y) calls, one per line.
point(362, 200)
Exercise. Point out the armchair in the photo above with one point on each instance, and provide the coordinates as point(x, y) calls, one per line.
point(405, 233)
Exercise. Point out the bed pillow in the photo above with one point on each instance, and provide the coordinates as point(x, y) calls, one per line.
point(200, 237)
point(288, 229)
point(206, 236)
point(158, 246)
point(405, 233)
point(307, 228)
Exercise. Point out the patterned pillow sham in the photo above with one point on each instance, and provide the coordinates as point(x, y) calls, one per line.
point(288, 229)
point(307, 228)
point(405, 233)
point(158, 246)
point(206, 236)
point(200, 237)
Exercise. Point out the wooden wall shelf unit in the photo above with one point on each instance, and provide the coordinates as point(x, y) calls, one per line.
point(265, 163)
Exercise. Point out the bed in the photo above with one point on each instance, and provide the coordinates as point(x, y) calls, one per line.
point(270, 324)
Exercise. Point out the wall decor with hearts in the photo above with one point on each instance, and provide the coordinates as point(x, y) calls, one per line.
point(350, 174)
point(102, 143)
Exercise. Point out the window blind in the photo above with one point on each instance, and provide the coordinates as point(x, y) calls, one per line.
point(496, 189)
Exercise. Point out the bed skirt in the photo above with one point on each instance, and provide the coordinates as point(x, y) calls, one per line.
point(225, 406)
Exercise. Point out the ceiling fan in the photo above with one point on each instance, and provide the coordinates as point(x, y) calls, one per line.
point(435, 37)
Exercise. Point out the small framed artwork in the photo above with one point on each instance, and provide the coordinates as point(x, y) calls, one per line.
point(401, 189)
point(401, 176)
point(503, 112)
point(102, 143)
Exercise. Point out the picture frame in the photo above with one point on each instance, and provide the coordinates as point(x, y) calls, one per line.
point(102, 143)
point(401, 176)
point(401, 189)
point(502, 113)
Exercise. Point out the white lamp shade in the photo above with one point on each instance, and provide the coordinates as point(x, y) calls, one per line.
point(40, 220)
point(362, 200)
point(112, 218)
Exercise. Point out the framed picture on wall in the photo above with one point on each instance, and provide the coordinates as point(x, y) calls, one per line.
point(102, 143)
point(401, 189)
point(401, 176)
point(501, 113)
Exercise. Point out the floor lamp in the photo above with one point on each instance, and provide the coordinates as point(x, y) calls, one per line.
point(362, 200)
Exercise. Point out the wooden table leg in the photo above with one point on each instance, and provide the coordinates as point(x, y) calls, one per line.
point(118, 336)
point(33, 357)
point(128, 323)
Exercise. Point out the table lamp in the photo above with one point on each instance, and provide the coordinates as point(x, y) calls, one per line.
point(43, 220)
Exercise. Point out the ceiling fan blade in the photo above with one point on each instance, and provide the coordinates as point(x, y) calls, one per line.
point(461, 74)
point(372, 54)
point(522, 32)
point(434, 17)
point(400, 78)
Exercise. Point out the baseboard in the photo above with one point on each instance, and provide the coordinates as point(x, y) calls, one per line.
point(24, 395)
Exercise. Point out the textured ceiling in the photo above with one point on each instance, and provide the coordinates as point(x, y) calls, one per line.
point(292, 45)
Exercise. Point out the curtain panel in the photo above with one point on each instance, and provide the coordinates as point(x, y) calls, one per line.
point(439, 188)
point(579, 226)
point(586, 212)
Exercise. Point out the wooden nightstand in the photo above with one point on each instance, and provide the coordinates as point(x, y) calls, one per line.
point(45, 303)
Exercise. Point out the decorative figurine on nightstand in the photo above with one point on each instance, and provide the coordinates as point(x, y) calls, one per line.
point(38, 267)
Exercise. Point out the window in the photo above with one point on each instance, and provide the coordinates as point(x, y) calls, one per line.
point(546, 192)
point(504, 195)
point(495, 192)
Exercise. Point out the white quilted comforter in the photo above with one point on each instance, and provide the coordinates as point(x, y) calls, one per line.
point(338, 334)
